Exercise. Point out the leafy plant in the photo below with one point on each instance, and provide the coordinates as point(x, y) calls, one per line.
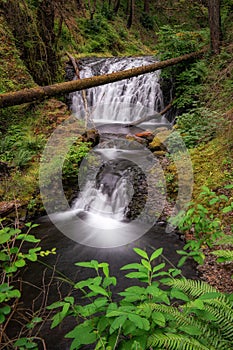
point(146, 316)
point(17, 248)
point(200, 220)
point(76, 153)
point(197, 126)
point(186, 79)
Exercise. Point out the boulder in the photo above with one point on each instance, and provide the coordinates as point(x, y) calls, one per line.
point(158, 143)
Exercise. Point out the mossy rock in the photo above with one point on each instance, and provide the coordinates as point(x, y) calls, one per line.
point(158, 143)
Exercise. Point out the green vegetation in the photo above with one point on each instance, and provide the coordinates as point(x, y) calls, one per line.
point(188, 313)
point(18, 247)
point(160, 309)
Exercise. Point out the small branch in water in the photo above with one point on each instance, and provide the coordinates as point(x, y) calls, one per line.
point(149, 117)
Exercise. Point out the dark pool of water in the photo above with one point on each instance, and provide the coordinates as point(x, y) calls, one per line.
point(69, 252)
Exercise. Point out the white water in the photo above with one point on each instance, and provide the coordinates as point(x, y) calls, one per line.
point(99, 216)
point(122, 101)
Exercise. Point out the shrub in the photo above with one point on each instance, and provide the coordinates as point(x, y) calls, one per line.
point(197, 126)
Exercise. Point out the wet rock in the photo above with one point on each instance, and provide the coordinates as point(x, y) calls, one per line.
point(137, 139)
point(92, 136)
point(159, 153)
point(148, 135)
point(158, 143)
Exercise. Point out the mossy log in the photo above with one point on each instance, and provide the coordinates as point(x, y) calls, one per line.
point(43, 92)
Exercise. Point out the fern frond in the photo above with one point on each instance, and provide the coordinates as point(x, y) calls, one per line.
point(223, 255)
point(223, 319)
point(194, 288)
point(225, 240)
point(170, 341)
point(210, 335)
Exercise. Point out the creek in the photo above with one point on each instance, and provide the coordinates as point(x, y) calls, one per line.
point(122, 191)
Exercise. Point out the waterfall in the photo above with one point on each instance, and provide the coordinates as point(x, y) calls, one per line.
point(121, 184)
point(122, 101)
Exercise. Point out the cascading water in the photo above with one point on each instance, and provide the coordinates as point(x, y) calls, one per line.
point(115, 201)
point(138, 95)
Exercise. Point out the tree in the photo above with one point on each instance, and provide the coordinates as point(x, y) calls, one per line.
point(131, 4)
point(215, 25)
point(146, 6)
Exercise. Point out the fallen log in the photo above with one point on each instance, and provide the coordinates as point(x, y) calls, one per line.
point(43, 92)
point(149, 117)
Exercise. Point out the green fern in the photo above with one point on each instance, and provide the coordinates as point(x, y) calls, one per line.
point(223, 255)
point(225, 240)
point(193, 288)
point(210, 335)
point(224, 319)
point(171, 341)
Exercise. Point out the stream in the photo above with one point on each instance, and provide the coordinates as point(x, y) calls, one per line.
point(122, 192)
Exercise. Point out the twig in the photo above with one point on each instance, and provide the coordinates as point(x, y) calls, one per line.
point(147, 118)
point(83, 92)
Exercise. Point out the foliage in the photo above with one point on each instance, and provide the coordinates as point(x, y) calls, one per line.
point(17, 248)
point(197, 126)
point(19, 146)
point(73, 158)
point(202, 222)
point(146, 316)
point(174, 41)
point(101, 36)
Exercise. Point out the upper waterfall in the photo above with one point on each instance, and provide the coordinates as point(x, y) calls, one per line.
point(122, 101)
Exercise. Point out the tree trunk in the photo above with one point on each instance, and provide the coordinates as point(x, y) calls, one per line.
point(117, 6)
point(146, 6)
point(40, 93)
point(215, 25)
point(131, 14)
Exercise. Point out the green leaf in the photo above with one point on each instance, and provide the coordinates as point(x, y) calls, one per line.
point(69, 300)
point(211, 295)
point(84, 264)
point(158, 267)
point(117, 323)
point(98, 290)
point(55, 305)
point(153, 290)
point(191, 330)
point(28, 238)
point(228, 187)
point(181, 252)
point(4, 256)
point(182, 261)
point(108, 281)
point(4, 237)
point(83, 334)
point(139, 321)
point(146, 264)
point(105, 267)
point(175, 293)
point(156, 254)
point(57, 319)
point(137, 275)
point(159, 319)
point(20, 263)
point(227, 210)
point(88, 282)
point(133, 266)
point(21, 342)
point(213, 201)
point(141, 252)
point(102, 324)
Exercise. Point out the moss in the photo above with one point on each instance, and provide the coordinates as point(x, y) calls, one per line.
point(14, 75)
point(209, 164)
